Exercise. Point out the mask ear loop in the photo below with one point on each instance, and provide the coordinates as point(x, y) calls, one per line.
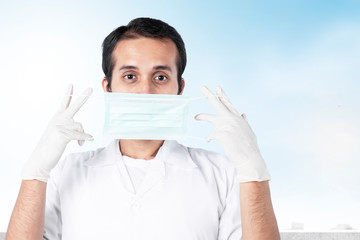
point(91, 95)
point(195, 137)
point(196, 98)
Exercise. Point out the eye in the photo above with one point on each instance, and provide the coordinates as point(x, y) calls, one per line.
point(129, 76)
point(161, 78)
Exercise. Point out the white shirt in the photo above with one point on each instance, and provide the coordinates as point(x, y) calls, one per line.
point(137, 169)
point(186, 194)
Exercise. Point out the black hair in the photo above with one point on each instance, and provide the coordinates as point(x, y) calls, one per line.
point(146, 27)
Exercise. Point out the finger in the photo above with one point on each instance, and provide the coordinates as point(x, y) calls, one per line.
point(213, 135)
point(206, 117)
point(214, 101)
point(75, 135)
point(81, 142)
point(225, 100)
point(67, 98)
point(244, 116)
point(70, 124)
point(78, 102)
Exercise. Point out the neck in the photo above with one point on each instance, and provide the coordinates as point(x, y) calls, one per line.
point(140, 149)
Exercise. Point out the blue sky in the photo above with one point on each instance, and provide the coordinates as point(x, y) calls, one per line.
point(291, 66)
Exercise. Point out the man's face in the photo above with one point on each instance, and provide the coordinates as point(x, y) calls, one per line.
point(144, 65)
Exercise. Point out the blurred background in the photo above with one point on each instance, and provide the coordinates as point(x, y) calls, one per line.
point(292, 66)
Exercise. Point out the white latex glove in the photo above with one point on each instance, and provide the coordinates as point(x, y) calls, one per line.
point(236, 136)
point(60, 130)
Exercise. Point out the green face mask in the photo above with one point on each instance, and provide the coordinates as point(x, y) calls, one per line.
point(146, 116)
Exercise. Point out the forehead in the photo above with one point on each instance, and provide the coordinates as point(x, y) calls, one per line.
point(145, 50)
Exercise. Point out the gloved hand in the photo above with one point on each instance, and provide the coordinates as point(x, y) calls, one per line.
point(236, 136)
point(60, 130)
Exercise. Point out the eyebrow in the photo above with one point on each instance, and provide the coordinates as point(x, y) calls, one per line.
point(162, 67)
point(159, 67)
point(127, 67)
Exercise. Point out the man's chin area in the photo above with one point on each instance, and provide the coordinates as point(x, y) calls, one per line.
point(141, 141)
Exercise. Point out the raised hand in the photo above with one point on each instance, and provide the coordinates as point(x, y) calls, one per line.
point(60, 131)
point(236, 136)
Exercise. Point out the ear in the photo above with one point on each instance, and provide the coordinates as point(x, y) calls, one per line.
point(183, 86)
point(105, 84)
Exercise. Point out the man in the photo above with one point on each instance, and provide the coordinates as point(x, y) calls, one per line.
point(145, 189)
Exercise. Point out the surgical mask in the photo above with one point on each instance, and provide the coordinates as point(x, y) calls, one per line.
point(146, 116)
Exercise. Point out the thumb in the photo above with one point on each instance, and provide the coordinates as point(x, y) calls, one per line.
point(216, 134)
